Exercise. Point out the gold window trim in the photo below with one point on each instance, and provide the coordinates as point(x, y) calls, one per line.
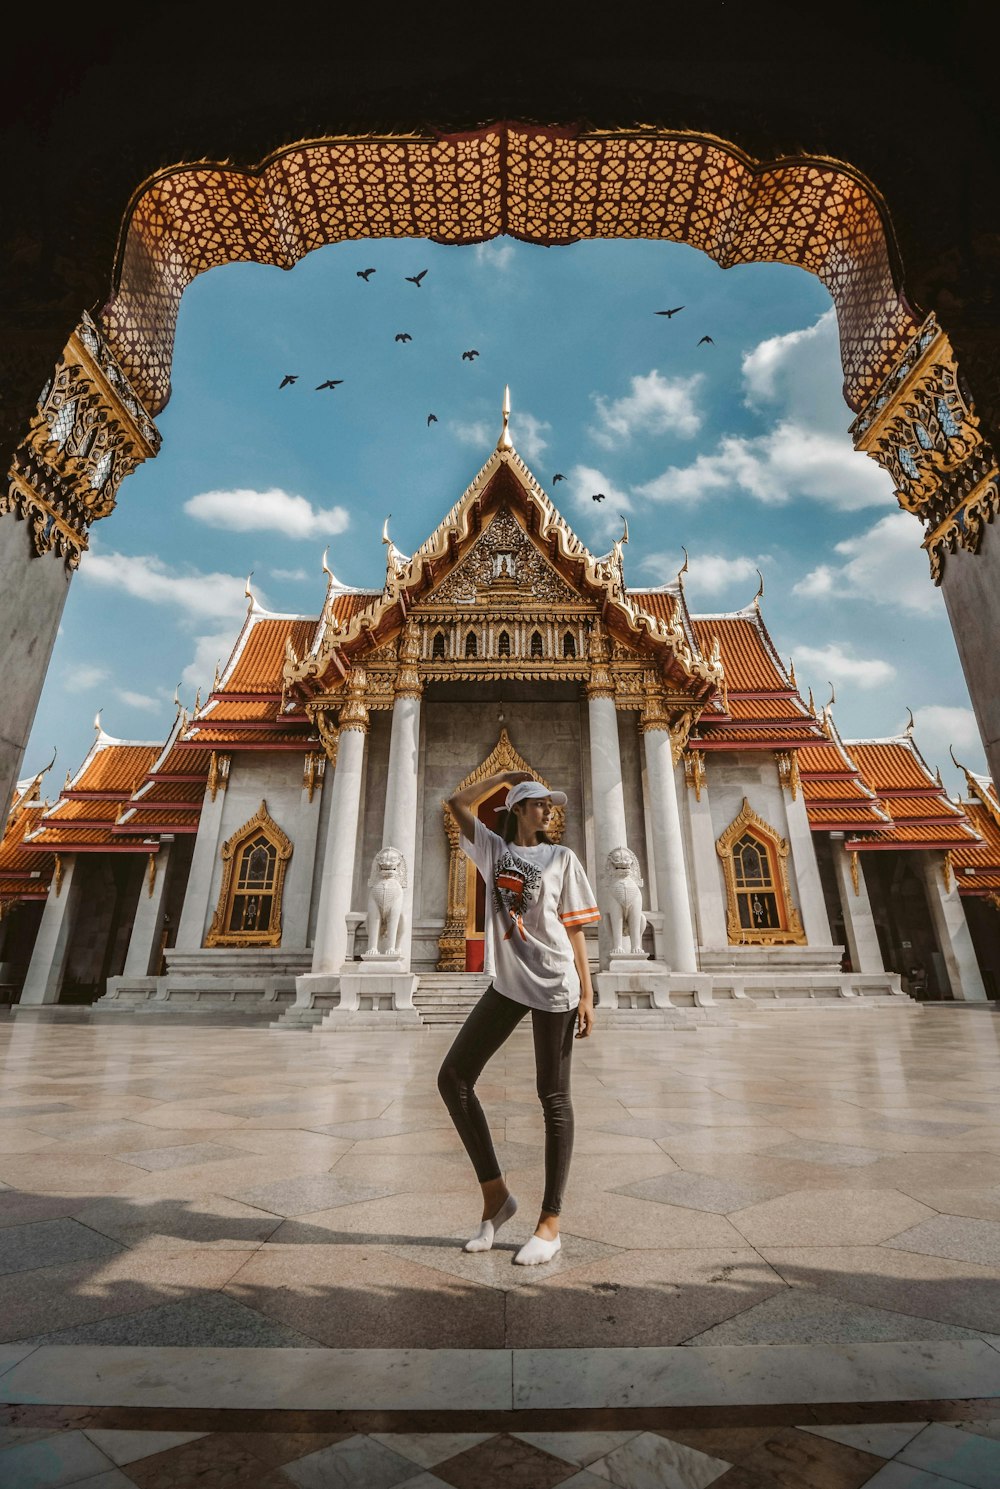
point(790, 932)
point(461, 884)
point(269, 935)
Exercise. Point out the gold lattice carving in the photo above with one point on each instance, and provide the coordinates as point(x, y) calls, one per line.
point(313, 773)
point(922, 429)
point(503, 564)
point(855, 873)
point(451, 943)
point(541, 184)
point(789, 931)
point(88, 433)
point(262, 824)
point(218, 773)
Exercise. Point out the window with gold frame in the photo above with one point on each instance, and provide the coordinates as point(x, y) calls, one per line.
point(759, 909)
point(249, 909)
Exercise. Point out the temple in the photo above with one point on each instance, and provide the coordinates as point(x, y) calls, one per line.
point(288, 852)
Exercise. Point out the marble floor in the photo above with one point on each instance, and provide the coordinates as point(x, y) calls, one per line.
point(793, 1225)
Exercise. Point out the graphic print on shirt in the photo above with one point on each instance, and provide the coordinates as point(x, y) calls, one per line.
point(516, 885)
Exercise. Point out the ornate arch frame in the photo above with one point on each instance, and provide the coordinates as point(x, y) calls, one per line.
point(790, 932)
point(269, 935)
point(451, 943)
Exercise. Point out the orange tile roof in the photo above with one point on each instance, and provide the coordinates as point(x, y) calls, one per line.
point(890, 764)
point(229, 709)
point(148, 819)
point(256, 664)
point(984, 855)
point(662, 603)
point(747, 655)
point(116, 767)
point(16, 859)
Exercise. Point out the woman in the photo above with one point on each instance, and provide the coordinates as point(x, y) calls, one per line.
point(538, 902)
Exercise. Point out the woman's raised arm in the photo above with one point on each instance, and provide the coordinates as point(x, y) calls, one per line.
point(461, 802)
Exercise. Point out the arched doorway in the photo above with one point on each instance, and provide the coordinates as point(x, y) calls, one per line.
point(547, 185)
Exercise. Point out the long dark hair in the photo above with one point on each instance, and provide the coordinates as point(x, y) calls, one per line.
point(507, 827)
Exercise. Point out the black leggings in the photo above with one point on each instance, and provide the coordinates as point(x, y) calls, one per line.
point(490, 1023)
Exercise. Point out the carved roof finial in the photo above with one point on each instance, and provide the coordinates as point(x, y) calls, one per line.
point(216, 676)
point(760, 590)
point(911, 725)
point(791, 672)
point(832, 698)
point(812, 703)
point(505, 442)
point(624, 536)
point(685, 565)
point(197, 700)
point(177, 698)
point(248, 592)
point(97, 721)
point(385, 535)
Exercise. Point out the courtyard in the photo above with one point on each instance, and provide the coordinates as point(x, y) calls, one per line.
point(233, 1256)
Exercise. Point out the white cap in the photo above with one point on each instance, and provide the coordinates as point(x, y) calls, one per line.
point(534, 791)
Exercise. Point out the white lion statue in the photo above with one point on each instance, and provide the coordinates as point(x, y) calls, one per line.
point(386, 884)
point(624, 906)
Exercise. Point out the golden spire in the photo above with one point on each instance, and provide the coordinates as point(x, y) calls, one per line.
point(791, 672)
point(197, 700)
point(216, 678)
point(505, 442)
point(812, 703)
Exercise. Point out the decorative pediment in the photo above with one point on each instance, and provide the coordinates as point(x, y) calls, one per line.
point(505, 566)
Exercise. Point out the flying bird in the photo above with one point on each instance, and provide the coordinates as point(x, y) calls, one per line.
point(669, 313)
point(415, 278)
point(558, 477)
point(708, 339)
point(403, 336)
point(431, 419)
point(470, 356)
point(598, 498)
point(365, 274)
point(289, 377)
point(331, 382)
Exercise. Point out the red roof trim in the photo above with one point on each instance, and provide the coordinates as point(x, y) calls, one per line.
point(938, 844)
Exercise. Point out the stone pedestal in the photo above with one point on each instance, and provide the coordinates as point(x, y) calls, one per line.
point(378, 982)
point(629, 978)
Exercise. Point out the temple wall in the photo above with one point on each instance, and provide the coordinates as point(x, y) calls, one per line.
point(277, 779)
point(971, 586)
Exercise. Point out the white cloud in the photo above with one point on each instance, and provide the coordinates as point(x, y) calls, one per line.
point(82, 679)
point(494, 255)
point(199, 596)
point(140, 700)
point(603, 519)
point(801, 373)
point(789, 462)
point(274, 510)
point(885, 565)
point(939, 725)
point(528, 434)
point(475, 432)
point(835, 662)
point(210, 651)
point(299, 575)
point(656, 405)
point(707, 573)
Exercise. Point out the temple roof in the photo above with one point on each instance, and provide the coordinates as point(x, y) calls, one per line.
point(504, 480)
point(837, 799)
point(24, 875)
point(977, 866)
point(759, 705)
point(83, 818)
point(923, 814)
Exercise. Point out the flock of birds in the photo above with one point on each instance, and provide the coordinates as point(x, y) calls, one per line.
point(467, 356)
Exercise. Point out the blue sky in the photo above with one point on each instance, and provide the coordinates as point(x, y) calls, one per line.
point(737, 450)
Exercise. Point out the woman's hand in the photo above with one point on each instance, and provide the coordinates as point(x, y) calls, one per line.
point(515, 777)
point(585, 1016)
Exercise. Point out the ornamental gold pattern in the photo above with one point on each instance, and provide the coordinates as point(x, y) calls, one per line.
point(89, 432)
point(923, 430)
point(267, 935)
point(790, 932)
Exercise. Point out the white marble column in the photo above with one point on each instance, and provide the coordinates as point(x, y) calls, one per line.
point(143, 956)
point(330, 946)
point(952, 930)
point(812, 903)
point(708, 898)
point(48, 960)
point(197, 910)
point(399, 826)
point(859, 922)
point(668, 846)
point(608, 799)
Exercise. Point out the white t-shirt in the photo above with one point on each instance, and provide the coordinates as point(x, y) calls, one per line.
point(532, 894)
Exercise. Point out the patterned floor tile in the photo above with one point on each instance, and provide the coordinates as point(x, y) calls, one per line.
point(953, 1236)
point(504, 1462)
point(349, 1464)
point(652, 1461)
point(23, 1248)
point(183, 1156)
